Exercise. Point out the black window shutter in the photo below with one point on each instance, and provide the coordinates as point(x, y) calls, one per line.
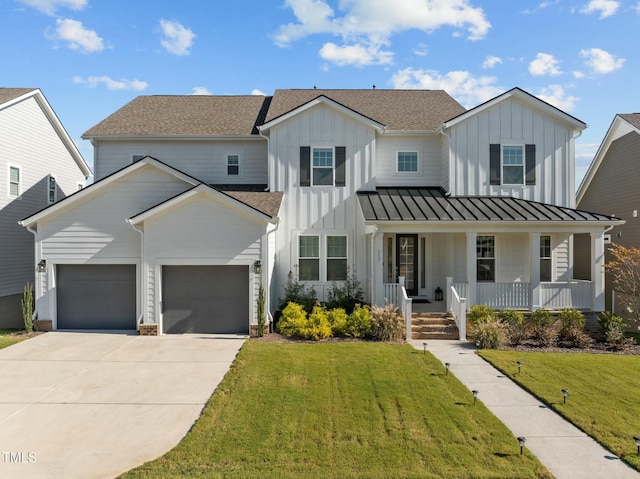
point(530, 164)
point(341, 155)
point(305, 166)
point(494, 164)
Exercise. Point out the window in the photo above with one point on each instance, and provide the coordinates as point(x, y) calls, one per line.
point(545, 258)
point(513, 165)
point(322, 165)
point(309, 258)
point(79, 186)
point(407, 161)
point(233, 165)
point(15, 181)
point(485, 258)
point(135, 158)
point(52, 190)
point(336, 258)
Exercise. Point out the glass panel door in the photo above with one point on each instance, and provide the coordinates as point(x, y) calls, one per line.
point(407, 261)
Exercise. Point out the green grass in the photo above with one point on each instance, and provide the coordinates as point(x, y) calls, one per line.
point(10, 336)
point(604, 392)
point(343, 410)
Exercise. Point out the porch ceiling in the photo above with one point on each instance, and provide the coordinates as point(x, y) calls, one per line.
point(433, 204)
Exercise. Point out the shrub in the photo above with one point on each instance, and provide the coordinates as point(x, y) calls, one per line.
point(543, 330)
point(296, 323)
point(611, 327)
point(293, 319)
point(297, 292)
point(479, 313)
point(572, 328)
point(317, 325)
point(359, 322)
point(387, 324)
point(27, 307)
point(345, 294)
point(490, 334)
point(261, 315)
point(515, 325)
point(338, 320)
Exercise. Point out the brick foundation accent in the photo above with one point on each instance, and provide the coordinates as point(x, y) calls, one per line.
point(254, 330)
point(148, 329)
point(42, 325)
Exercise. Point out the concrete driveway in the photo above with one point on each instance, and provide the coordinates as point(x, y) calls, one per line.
point(93, 405)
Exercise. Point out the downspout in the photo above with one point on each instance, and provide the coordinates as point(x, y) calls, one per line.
point(140, 319)
point(266, 272)
point(38, 256)
point(372, 282)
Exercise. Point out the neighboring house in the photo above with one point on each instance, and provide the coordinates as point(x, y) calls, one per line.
point(611, 185)
point(199, 200)
point(39, 165)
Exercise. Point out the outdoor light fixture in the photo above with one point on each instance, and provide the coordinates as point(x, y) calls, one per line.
point(565, 393)
point(475, 396)
point(447, 366)
point(42, 266)
point(637, 439)
point(521, 441)
point(424, 346)
point(257, 267)
point(519, 363)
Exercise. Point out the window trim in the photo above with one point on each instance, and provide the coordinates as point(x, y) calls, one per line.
point(345, 258)
point(407, 172)
point(546, 258)
point(522, 165)
point(51, 177)
point(493, 258)
point(9, 182)
point(318, 258)
point(323, 253)
point(240, 164)
point(312, 167)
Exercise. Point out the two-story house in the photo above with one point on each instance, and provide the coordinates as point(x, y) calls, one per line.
point(39, 165)
point(199, 200)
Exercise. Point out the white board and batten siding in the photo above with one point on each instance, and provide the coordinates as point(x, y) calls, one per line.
point(190, 233)
point(429, 149)
point(205, 160)
point(316, 209)
point(30, 142)
point(513, 122)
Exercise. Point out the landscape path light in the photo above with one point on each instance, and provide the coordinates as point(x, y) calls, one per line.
point(519, 363)
point(521, 441)
point(475, 396)
point(424, 347)
point(565, 393)
point(637, 439)
point(447, 366)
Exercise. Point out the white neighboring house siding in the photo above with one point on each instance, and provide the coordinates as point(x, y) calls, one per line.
point(28, 141)
point(203, 159)
point(316, 209)
point(429, 151)
point(95, 231)
point(513, 122)
point(190, 234)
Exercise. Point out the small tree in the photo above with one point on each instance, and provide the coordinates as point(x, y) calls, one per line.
point(27, 307)
point(625, 273)
point(261, 316)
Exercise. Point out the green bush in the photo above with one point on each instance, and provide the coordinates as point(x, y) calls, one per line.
point(293, 319)
point(27, 307)
point(297, 292)
point(543, 330)
point(515, 325)
point(490, 334)
point(296, 323)
point(317, 325)
point(611, 327)
point(359, 322)
point(345, 294)
point(338, 320)
point(479, 313)
point(387, 324)
point(572, 328)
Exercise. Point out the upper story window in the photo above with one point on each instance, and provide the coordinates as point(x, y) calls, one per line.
point(52, 189)
point(511, 164)
point(15, 182)
point(407, 161)
point(233, 165)
point(486, 258)
point(322, 166)
point(545, 258)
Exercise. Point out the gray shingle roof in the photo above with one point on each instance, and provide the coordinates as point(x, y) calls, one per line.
point(432, 204)
point(8, 94)
point(188, 115)
point(633, 118)
point(396, 109)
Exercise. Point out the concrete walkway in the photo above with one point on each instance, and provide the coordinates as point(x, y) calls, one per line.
point(94, 405)
point(567, 452)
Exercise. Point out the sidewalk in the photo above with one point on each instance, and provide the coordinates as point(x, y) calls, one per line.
point(567, 452)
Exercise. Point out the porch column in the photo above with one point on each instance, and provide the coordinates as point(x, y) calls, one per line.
point(597, 269)
point(534, 293)
point(471, 268)
point(377, 270)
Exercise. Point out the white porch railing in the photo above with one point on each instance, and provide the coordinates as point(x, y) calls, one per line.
point(406, 306)
point(503, 295)
point(458, 308)
point(391, 293)
point(461, 289)
point(574, 294)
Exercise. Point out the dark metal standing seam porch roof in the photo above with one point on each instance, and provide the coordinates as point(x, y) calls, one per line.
point(433, 204)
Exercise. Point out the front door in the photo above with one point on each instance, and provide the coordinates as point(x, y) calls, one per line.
point(407, 261)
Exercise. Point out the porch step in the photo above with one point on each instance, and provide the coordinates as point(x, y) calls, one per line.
point(433, 326)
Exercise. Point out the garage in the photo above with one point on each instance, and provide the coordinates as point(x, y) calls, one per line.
point(96, 296)
point(205, 299)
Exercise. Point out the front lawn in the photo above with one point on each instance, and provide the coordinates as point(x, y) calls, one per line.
point(343, 410)
point(11, 336)
point(604, 392)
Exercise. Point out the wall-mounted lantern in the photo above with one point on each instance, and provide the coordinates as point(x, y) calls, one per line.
point(257, 267)
point(439, 295)
point(42, 266)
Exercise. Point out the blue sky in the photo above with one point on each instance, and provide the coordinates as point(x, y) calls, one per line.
point(90, 57)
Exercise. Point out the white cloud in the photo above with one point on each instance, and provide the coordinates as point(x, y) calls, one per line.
point(462, 85)
point(578, 74)
point(491, 61)
point(601, 61)
point(49, 7)
point(177, 38)
point(636, 7)
point(200, 90)
point(123, 84)
point(77, 37)
point(543, 5)
point(421, 50)
point(556, 96)
point(605, 7)
point(365, 25)
point(257, 92)
point(544, 64)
